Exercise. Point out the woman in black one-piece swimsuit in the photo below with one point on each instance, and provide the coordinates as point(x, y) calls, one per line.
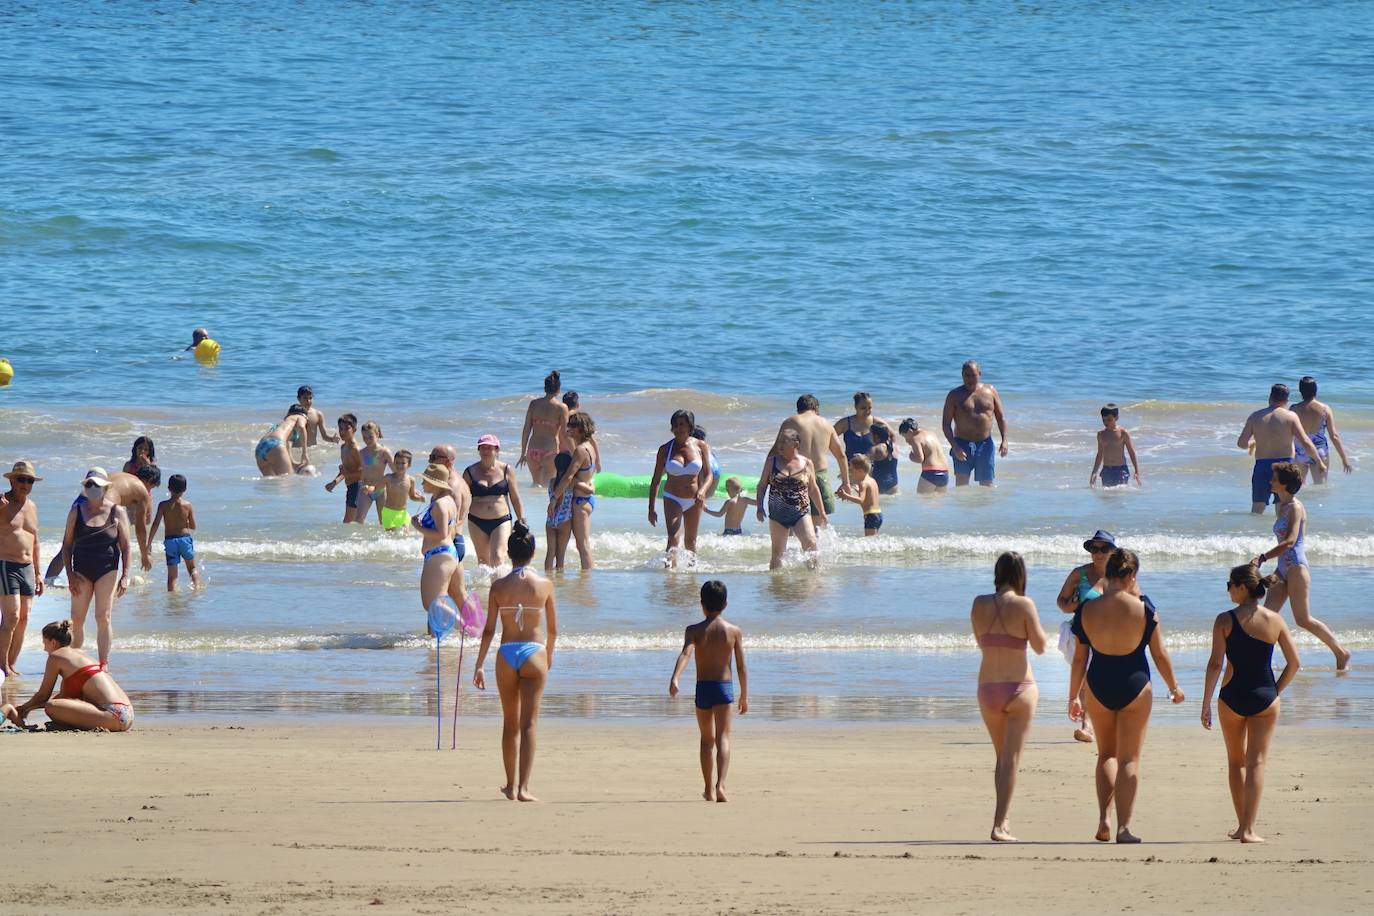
point(96, 545)
point(1246, 636)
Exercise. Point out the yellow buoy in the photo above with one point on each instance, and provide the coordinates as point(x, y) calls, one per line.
point(207, 351)
point(6, 372)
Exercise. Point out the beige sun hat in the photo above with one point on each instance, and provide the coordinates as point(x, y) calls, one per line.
point(98, 476)
point(23, 469)
point(437, 475)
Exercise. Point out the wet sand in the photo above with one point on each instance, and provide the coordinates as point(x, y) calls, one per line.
point(362, 815)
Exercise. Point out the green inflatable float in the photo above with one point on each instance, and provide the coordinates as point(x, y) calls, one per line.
point(636, 486)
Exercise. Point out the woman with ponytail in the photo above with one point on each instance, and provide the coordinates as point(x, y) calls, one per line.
point(89, 699)
point(545, 420)
point(523, 601)
point(1246, 636)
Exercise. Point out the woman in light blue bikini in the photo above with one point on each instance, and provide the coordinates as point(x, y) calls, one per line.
point(442, 572)
point(1290, 528)
point(524, 602)
point(687, 462)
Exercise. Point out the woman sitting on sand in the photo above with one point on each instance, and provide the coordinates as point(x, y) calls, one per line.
point(544, 422)
point(789, 479)
point(1116, 628)
point(442, 572)
point(524, 602)
point(687, 462)
point(89, 700)
point(271, 453)
point(1245, 636)
point(1004, 623)
point(1083, 584)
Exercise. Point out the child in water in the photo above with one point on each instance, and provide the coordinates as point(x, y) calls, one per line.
point(715, 643)
point(733, 509)
point(376, 465)
point(350, 470)
point(865, 494)
point(400, 486)
point(180, 517)
point(1113, 444)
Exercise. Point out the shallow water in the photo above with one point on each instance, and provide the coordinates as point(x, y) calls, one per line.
point(419, 210)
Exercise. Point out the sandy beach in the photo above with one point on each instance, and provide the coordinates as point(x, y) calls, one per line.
point(365, 816)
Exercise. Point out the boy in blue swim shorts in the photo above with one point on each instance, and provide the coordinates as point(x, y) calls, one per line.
point(180, 517)
point(716, 643)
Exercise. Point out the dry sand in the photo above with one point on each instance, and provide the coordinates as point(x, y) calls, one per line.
point(364, 816)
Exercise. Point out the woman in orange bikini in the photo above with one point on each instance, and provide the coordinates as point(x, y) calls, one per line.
point(89, 699)
point(1004, 623)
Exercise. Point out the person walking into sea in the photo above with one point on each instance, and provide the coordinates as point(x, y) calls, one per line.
point(970, 411)
point(572, 500)
point(789, 481)
point(1113, 445)
point(524, 603)
point(1319, 422)
point(1290, 529)
point(818, 442)
point(95, 544)
point(495, 496)
point(350, 471)
point(89, 700)
point(927, 453)
point(1113, 633)
point(1004, 624)
point(1245, 636)
point(1274, 430)
point(272, 452)
point(377, 460)
point(1083, 584)
point(687, 463)
point(545, 419)
point(19, 562)
point(135, 494)
point(441, 572)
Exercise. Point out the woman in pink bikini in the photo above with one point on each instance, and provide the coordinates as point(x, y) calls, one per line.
point(1004, 623)
point(545, 420)
point(89, 699)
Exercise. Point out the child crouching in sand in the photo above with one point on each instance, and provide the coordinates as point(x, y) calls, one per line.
point(715, 642)
point(733, 509)
point(400, 486)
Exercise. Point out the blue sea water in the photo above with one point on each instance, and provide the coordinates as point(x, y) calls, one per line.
point(420, 209)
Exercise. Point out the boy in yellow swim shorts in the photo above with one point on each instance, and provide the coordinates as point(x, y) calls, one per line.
point(400, 486)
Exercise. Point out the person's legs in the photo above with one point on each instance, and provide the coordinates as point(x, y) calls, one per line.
point(104, 614)
point(508, 686)
point(1233, 732)
point(806, 534)
point(496, 549)
point(172, 560)
point(778, 535)
point(550, 547)
point(17, 636)
point(81, 591)
point(1299, 587)
point(1130, 737)
point(481, 544)
point(9, 619)
point(672, 524)
point(691, 521)
point(582, 533)
point(435, 577)
point(457, 585)
point(563, 534)
point(1016, 723)
point(533, 674)
point(706, 749)
point(985, 463)
point(1259, 731)
point(1104, 729)
point(721, 713)
point(278, 462)
point(78, 714)
point(963, 468)
point(995, 721)
point(193, 572)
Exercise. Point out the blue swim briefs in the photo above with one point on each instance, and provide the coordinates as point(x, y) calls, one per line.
point(715, 693)
point(179, 548)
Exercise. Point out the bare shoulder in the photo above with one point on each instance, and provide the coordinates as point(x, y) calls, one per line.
point(735, 632)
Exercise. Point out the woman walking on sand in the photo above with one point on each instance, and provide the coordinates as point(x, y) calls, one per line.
point(1004, 624)
point(545, 419)
point(1245, 636)
point(1116, 629)
point(524, 602)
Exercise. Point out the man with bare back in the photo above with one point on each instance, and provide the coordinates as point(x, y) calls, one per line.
point(970, 411)
point(1274, 429)
point(817, 439)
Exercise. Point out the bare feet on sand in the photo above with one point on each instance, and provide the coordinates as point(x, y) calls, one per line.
point(524, 795)
point(509, 792)
point(1083, 734)
point(1124, 835)
point(1104, 832)
point(1250, 836)
point(720, 794)
point(1342, 664)
point(708, 795)
point(1002, 834)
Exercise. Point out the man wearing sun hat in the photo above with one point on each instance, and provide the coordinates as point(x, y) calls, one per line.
point(18, 560)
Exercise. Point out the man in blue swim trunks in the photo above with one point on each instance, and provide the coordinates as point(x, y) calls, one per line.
point(1274, 430)
point(970, 411)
